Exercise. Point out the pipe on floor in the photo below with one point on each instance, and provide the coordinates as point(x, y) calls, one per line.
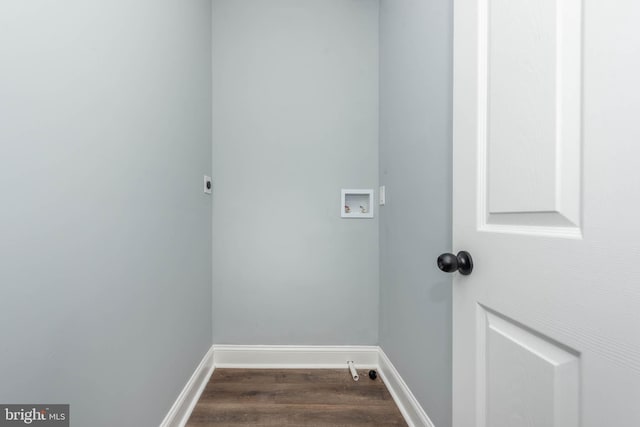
point(352, 368)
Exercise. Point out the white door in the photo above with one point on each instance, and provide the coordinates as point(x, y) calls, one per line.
point(547, 202)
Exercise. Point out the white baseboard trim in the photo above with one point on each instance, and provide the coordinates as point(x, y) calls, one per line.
point(411, 410)
point(179, 413)
point(288, 357)
point(291, 357)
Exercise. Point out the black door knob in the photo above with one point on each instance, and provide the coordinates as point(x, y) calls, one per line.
point(450, 263)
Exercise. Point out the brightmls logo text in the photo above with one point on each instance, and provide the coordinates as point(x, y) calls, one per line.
point(36, 415)
point(28, 417)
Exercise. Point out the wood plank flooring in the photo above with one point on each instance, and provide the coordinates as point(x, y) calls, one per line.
point(294, 397)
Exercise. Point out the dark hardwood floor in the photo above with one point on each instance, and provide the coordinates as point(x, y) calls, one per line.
point(294, 397)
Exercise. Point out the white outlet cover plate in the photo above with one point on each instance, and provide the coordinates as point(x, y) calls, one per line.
point(207, 179)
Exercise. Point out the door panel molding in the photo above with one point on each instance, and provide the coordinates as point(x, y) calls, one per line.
point(510, 356)
point(529, 147)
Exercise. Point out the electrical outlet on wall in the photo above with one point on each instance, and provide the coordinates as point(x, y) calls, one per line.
point(382, 195)
point(208, 185)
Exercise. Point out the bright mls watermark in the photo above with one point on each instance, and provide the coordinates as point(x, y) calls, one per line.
point(34, 415)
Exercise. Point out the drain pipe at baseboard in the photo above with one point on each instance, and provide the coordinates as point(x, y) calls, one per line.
point(354, 372)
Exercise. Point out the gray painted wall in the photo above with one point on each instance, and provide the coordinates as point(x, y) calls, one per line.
point(295, 119)
point(415, 224)
point(105, 234)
